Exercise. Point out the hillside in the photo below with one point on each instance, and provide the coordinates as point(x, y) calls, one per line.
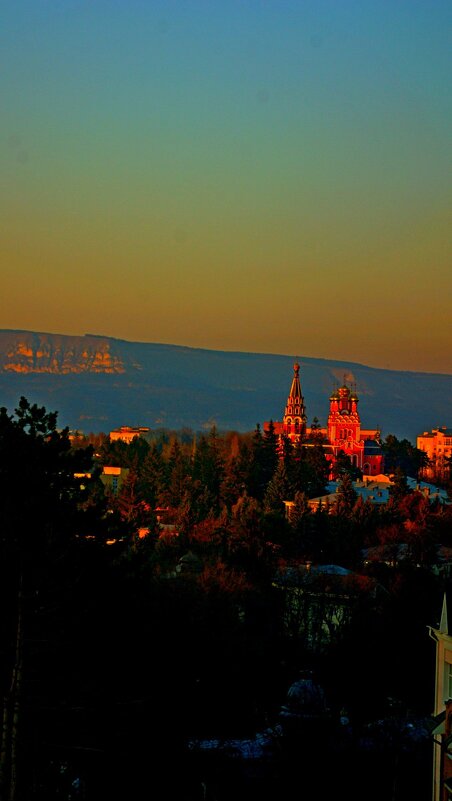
point(97, 383)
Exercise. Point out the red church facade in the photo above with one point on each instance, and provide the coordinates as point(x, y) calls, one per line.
point(342, 433)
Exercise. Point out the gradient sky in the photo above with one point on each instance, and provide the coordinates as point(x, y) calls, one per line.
point(255, 176)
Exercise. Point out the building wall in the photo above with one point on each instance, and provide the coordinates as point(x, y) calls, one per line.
point(342, 433)
point(442, 761)
point(437, 445)
point(127, 433)
point(113, 478)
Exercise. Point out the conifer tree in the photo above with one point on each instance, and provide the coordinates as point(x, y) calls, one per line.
point(346, 495)
point(152, 476)
point(256, 482)
point(269, 452)
point(278, 489)
point(236, 475)
point(177, 471)
point(40, 507)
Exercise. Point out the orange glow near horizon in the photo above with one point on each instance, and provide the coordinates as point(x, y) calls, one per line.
point(192, 189)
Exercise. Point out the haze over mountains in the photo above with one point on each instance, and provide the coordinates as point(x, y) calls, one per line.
point(97, 383)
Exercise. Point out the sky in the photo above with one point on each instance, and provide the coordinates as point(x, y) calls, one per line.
point(262, 176)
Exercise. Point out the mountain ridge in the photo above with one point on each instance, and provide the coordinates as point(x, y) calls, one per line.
point(102, 382)
point(173, 345)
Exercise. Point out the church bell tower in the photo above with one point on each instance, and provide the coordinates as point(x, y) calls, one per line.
point(294, 421)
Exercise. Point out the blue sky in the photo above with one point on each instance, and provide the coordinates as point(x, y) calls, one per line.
point(265, 176)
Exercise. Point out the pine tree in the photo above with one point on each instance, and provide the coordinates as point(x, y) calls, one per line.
point(208, 466)
point(278, 489)
point(346, 496)
point(270, 454)
point(236, 474)
point(152, 476)
point(177, 471)
point(256, 481)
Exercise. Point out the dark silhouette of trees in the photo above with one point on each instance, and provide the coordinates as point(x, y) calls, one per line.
point(403, 455)
point(343, 464)
point(116, 649)
point(43, 489)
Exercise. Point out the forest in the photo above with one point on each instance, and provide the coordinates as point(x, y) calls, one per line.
point(150, 635)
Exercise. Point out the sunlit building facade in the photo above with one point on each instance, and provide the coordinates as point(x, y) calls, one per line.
point(437, 445)
point(128, 433)
point(343, 432)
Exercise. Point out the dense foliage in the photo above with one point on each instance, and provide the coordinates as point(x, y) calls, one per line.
point(185, 603)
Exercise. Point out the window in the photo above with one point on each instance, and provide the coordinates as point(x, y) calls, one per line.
point(447, 681)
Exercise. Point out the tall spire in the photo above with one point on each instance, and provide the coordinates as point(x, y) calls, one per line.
point(295, 389)
point(294, 416)
point(444, 625)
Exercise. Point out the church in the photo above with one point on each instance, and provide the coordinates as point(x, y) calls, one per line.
point(342, 433)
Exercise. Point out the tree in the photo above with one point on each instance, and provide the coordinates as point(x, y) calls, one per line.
point(302, 523)
point(402, 454)
point(152, 476)
point(269, 452)
point(236, 473)
point(208, 466)
point(177, 471)
point(346, 496)
point(278, 489)
point(343, 464)
point(311, 471)
point(399, 487)
point(257, 478)
point(42, 482)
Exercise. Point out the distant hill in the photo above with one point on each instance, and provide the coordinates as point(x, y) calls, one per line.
point(97, 383)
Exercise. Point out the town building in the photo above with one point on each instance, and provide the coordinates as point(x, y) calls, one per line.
point(437, 445)
point(442, 729)
point(343, 432)
point(128, 433)
point(376, 490)
point(113, 478)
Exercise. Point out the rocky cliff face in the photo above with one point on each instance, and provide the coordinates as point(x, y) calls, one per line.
point(98, 383)
point(29, 352)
